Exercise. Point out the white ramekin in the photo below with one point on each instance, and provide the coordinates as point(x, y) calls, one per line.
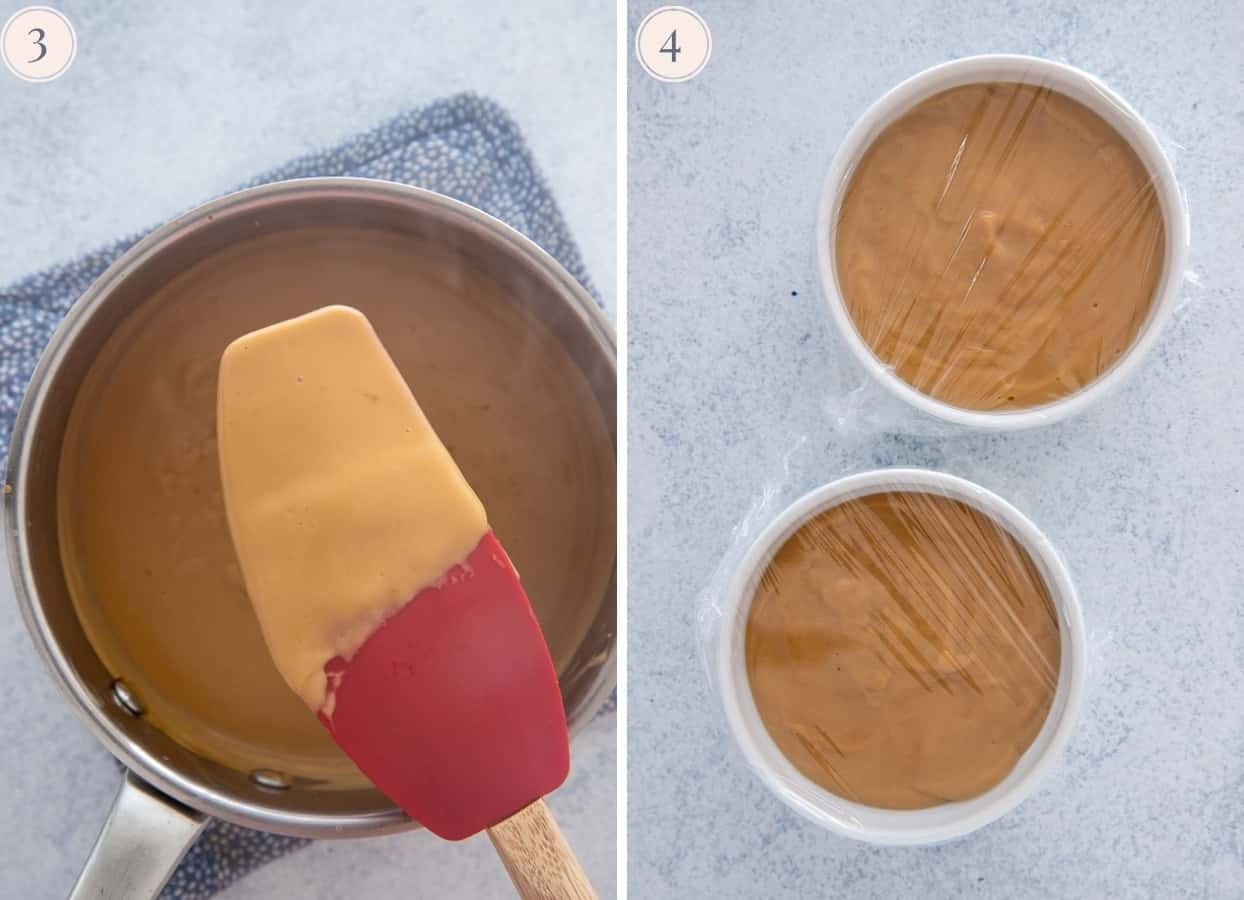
point(1010, 69)
point(867, 823)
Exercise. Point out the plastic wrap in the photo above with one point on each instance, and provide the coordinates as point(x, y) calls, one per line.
point(1000, 241)
point(900, 653)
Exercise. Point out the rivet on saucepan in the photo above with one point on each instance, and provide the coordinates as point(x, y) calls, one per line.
point(270, 779)
point(125, 698)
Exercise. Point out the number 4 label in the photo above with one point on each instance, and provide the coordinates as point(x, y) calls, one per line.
point(673, 43)
point(671, 46)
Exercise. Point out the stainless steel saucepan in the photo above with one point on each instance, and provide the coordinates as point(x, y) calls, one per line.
point(169, 791)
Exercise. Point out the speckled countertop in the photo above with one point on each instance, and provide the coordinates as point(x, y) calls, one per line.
point(169, 104)
point(730, 356)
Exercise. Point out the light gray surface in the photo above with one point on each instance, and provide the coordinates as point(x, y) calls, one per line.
point(1143, 494)
point(169, 104)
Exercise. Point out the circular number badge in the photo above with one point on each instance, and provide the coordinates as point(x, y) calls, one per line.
point(673, 44)
point(38, 43)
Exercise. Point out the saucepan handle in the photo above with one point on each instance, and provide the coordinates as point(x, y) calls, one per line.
point(145, 836)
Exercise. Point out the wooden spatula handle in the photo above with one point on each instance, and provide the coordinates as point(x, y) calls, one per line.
point(540, 862)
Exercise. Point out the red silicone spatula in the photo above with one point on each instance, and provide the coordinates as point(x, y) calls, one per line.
point(452, 708)
point(339, 494)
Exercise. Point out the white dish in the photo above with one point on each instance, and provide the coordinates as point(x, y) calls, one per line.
point(866, 823)
point(1078, 86)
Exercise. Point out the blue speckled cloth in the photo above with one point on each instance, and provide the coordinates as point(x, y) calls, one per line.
point(464, 146)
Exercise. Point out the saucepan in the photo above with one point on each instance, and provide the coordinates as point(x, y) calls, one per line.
point(168, 791)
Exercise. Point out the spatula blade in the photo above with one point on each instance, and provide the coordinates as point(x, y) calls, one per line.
point(452, 706)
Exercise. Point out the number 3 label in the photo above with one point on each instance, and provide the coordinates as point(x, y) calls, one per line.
point(38, 43)
point(673, 44)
